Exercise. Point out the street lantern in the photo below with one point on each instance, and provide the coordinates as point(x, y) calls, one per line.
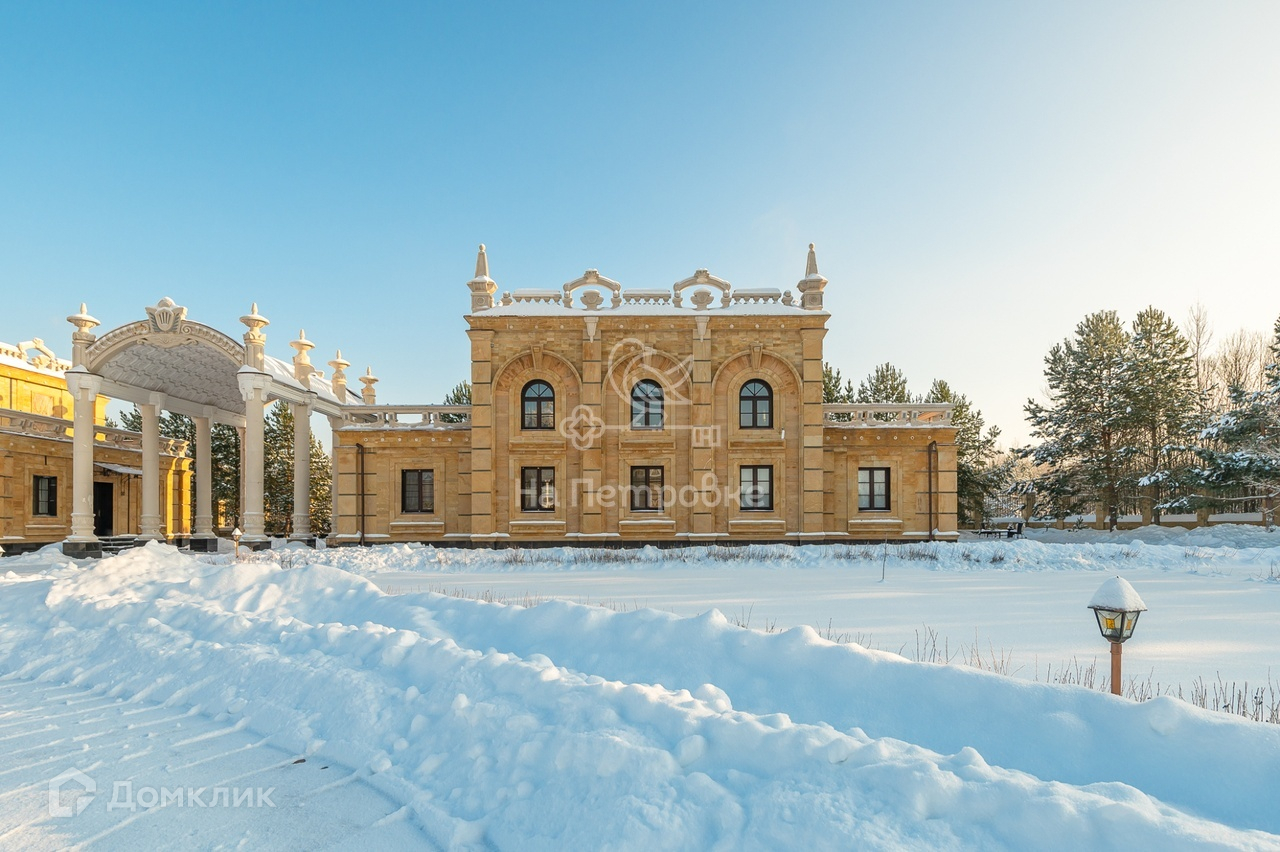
point(1116, 605)
point(235, 536)
point(547, 499)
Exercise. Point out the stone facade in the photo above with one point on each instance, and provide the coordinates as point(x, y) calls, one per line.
point(36, 436)
point(690, 414)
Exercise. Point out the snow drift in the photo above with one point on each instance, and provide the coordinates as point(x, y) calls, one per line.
point(567, 726)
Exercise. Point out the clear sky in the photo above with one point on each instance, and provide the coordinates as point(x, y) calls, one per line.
point(977, 176)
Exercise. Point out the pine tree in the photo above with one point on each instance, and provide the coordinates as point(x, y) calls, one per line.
point(460, 395)
point(277, 469)
point(1083, 432)
point(977, 476)
point(224, 446)
point(885, 384)
point(833, 388)
point(1160, 382)
point(1244, 448)
point(171, 425)
point(278, 476)
point(321, 489)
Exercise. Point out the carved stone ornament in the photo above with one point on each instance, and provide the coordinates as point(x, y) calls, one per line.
point(166, 317)
point(592, 300)
point(107, 347)
point(701, 299)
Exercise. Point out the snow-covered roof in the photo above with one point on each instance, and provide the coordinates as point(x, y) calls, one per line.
point(48, 365)
point(594, 294)
point(1117, 594)
point(281, 372)
point(525, 309)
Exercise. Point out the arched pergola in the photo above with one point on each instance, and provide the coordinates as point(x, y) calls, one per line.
point(167, 362)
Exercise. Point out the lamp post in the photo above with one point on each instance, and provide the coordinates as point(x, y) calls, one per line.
point(235, 536)
point(1116, 605)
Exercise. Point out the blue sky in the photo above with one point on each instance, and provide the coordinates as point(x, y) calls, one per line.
point(977, 176)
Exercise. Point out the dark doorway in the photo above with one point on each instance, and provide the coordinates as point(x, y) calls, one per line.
point(104, 508)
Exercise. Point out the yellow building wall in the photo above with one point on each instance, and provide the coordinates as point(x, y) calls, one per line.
point(701, 363)
point(43, 449)
point(37, 392)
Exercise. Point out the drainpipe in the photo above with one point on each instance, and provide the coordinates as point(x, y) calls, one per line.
point(360, 485)
point(933, 457)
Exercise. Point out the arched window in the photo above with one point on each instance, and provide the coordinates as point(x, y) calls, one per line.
point(538, 404)
point(755, 405)
point(646, 405)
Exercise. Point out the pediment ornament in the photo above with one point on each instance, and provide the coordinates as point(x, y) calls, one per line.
point(166, 317)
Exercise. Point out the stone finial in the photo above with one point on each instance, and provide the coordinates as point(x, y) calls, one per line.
point(166, 316)
point(369, 380)
point(254, 340)
point(339, 381)
point(482, 286)
point(82, 338)
point(812, 284)
point(302, 369)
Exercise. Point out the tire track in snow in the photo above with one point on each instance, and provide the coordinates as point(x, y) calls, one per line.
point(115, 742)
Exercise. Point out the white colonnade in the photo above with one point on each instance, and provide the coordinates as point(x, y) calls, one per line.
point(212, 379)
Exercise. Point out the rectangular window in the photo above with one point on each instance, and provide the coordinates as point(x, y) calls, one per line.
point(873, 489)
point(44, 490)
point(537, 489)
point(417, 491)
point(756, 487)
point(646, 489)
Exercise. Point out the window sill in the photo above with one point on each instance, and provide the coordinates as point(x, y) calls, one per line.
point(549, 525)
point(418, 526)
point(758, 526)
point(647, 526)
point(882, 524)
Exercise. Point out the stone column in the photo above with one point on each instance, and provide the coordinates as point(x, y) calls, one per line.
point(335, 423)
point(84, 387)
point(707, 439)
point(812, 477)
point(253, 387)
point(302, 472)
point(202, 536)
point(482, 428)
point(150, 412)
point(591, 513)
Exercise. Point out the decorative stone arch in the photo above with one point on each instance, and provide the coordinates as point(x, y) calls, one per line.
point(184, 333)
point(702, 278)
point(537, 363)
point(755, 362)
point(167, 362)
point(534, 447)
point(592, 300)
point(785, 381)
point(630, 361)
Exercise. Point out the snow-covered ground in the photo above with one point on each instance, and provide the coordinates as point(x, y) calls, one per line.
point(1214, 595)
point(418, 719)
